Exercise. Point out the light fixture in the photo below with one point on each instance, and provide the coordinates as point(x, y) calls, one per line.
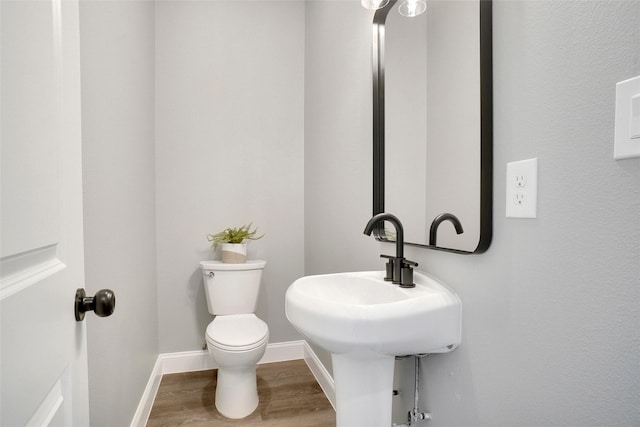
point(411, 8)
point(374, 4)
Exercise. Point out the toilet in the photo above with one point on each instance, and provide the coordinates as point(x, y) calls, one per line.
point(236, 338)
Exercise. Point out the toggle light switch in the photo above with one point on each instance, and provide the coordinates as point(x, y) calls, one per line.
point(627, 121)
point(634, 127)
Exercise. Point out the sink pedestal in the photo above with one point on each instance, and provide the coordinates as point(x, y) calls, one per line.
point(364, 387)
point(363, 321)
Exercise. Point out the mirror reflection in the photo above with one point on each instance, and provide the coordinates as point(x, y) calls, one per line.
point(432, 123)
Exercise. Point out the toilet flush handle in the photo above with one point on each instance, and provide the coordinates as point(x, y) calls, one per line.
point(103, 303)
point(211, 274)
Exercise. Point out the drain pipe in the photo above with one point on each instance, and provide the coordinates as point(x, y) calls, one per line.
point(415, 415)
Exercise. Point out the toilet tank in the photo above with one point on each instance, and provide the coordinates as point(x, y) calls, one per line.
point(232, 288)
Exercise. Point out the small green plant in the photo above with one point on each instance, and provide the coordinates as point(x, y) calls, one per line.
point(233, 235)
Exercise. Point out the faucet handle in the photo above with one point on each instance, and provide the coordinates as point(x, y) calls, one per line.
point(406, 276)
point(388, 267)
point(406, 280)
point(409, 263)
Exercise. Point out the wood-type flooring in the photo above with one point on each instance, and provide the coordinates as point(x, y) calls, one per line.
point(289, 396)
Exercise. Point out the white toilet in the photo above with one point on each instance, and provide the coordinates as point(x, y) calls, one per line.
point(236, 338)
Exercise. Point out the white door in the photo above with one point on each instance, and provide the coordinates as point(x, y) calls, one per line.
point(43, 354)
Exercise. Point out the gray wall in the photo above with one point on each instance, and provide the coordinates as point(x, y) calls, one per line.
point(230, 147)
point(117, 48)
point(338, 134)
point(551, 310)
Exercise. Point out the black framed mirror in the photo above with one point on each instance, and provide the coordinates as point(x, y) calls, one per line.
point(433, 124)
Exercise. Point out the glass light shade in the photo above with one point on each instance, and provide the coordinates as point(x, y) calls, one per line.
point(412, 8)
point(374, 4)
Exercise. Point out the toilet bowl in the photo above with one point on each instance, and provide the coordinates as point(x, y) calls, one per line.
point(236, 338)
point(236, 343)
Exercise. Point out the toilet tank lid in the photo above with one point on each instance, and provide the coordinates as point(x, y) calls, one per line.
point(254, 264)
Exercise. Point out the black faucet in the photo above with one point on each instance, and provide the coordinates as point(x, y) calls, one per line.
point(433, 230)
point(399, 270)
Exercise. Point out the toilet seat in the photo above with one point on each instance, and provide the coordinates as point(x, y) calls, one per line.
point(237, 332)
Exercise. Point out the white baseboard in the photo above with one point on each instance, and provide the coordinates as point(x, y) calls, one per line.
point(189, 361)
point(321, 374)
point(148, 396)
point(185, 361)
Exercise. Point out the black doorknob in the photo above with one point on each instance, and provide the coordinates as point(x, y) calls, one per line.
point(103, 303)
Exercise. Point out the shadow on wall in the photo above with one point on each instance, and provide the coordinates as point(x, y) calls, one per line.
point(454, 374)
point(196, 295)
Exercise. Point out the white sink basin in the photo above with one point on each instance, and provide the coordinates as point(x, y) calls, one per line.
point(365, 322)
point(351, 311)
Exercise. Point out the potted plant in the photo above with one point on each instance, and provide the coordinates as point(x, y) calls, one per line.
point(232, 242)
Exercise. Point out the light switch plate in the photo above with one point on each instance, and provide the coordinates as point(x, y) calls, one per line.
point(627, 122)
point(522, 189)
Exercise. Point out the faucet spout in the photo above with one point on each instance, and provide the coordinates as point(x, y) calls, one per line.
point(397, 225)
point(433, 230)
point(399, 270)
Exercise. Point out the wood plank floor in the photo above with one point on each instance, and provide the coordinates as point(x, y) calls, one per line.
point(289, 396)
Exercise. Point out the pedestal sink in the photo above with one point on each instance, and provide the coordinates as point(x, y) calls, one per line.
point(364, 322)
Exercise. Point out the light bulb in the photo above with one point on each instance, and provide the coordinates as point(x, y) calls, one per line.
point(412, 8)
point(374, 4)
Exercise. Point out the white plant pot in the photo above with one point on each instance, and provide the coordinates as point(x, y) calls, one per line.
point(234, 253)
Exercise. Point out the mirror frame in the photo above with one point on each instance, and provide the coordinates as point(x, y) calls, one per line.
point(486, 127)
